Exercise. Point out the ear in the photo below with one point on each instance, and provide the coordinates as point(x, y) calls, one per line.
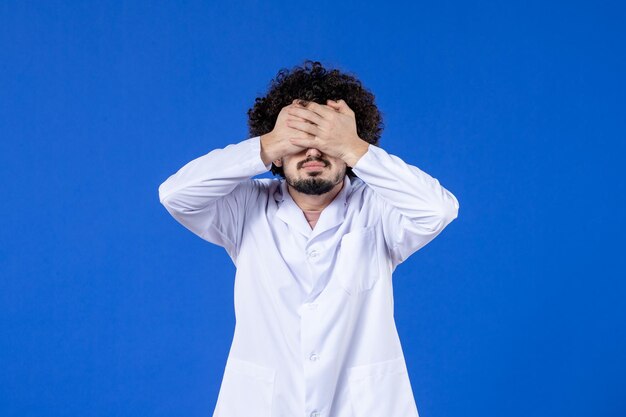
point(278, 162)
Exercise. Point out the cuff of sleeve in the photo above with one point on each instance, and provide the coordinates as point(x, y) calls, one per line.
point(254, 150)
point(367, 162)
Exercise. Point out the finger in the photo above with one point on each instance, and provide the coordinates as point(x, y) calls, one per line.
point(347, 108)
point(341, 106)
point(321, 110)
point(295, 133)
point(296, 119)
point(302, 126)
point(332, 103)
point(304, 142)
point(305, 114)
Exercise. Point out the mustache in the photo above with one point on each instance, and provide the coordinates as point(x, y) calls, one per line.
point(323, 161)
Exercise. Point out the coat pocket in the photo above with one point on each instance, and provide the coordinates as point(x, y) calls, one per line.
point(247, 390)
point(381, 389)
point(357, 268)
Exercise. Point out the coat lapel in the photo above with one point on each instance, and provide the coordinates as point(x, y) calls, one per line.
point(289, 212)
point(334, 213)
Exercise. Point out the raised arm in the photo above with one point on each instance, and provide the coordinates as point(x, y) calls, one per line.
point(414, 207)
point(210, 194)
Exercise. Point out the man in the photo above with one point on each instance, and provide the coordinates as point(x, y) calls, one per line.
point(315, 334)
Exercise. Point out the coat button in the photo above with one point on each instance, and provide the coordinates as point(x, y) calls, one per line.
point(313, 254)
point(315, 413)
point(313, 357)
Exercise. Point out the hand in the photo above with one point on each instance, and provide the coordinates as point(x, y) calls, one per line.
point(276, 144)
point(331, 129)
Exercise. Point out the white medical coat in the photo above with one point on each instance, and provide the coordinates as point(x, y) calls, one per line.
point(328, 348)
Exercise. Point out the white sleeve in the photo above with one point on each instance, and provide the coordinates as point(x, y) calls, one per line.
point(209, 194)
point(414, 207)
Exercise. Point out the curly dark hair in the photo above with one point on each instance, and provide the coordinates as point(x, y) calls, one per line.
point(313, 82)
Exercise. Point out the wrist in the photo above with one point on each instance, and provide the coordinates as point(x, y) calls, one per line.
point(359, 149)
point(268, 148)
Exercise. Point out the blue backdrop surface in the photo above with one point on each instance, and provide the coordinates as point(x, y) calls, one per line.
point(108, 307)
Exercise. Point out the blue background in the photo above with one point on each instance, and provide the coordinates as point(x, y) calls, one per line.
point(109, 307)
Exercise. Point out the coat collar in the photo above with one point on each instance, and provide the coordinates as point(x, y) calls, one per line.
point(331, 216)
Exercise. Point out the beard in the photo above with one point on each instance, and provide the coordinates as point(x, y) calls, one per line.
point(313, 185)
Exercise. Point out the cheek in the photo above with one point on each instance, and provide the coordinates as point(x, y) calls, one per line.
point(289, 168)
point(340, 167)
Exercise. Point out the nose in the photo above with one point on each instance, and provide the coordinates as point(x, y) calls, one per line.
point(313, 153)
